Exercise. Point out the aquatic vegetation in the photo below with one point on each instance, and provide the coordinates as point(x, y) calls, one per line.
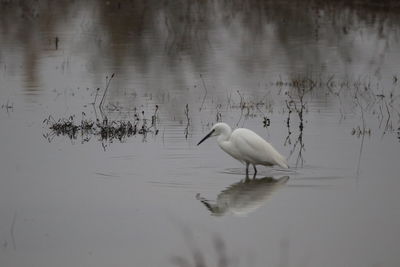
point(187, 121)
point(8, 106)
point(105, 129)
point(292, 99)
point(355, 98)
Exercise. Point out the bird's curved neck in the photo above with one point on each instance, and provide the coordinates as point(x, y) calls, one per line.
point(225, 134)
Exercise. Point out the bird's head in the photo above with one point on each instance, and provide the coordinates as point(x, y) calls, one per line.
point(217, 129)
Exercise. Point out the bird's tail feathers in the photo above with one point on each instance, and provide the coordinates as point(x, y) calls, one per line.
point(281, 161)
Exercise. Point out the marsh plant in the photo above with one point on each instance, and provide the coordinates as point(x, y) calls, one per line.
point(105, 129)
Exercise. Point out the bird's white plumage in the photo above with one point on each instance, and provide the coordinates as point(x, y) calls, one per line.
point(246, 146)
point(254, 149)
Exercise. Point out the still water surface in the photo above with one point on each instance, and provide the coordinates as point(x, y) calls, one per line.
point(317, 81)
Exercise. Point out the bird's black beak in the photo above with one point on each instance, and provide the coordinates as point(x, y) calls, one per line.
point(205, 137)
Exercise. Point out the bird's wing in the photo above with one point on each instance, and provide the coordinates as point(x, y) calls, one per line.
point(250, 145)
point(253, 148)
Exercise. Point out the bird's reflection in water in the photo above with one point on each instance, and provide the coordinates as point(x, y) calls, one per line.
point(243, 197)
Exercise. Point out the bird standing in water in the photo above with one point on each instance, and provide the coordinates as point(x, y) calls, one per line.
point(246, 146)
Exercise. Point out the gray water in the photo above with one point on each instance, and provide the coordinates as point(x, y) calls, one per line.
point(317, 80)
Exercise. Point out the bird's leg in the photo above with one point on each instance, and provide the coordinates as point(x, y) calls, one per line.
point(247, 169)
point(255, 171)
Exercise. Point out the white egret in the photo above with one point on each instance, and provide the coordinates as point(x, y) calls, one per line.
point(246, 146)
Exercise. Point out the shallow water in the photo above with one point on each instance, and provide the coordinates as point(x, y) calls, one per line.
point(318, 82)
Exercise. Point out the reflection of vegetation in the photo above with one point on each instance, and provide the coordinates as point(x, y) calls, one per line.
point(221, 257)
point(398, 133)
point(199, 258)
point(136, 31)
point(363, 98)
point(108, 81)
point(296, 103)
